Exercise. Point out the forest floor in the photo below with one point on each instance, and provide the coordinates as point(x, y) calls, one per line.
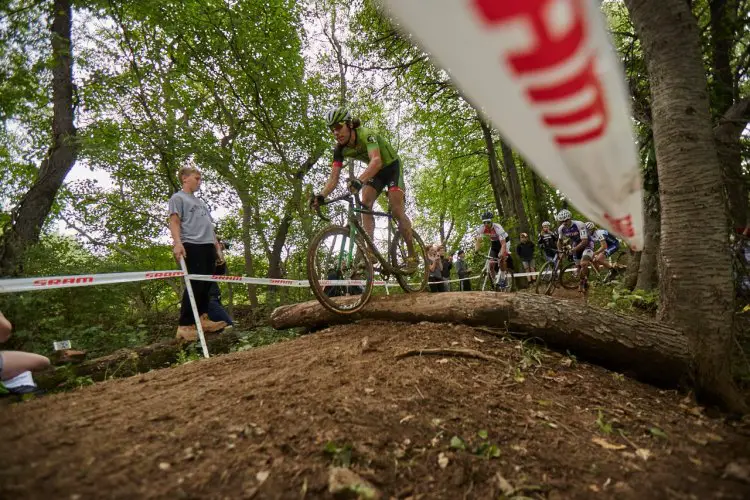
point(341, 409)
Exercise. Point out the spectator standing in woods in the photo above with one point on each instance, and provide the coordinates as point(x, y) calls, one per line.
point(194, 240)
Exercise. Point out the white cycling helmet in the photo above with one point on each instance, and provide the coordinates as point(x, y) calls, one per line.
point(563, 215)
point(546, 224)
point(590, 226)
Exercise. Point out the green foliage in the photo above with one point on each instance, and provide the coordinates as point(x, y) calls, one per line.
point(625, 300)
point(71, 380)
point(188, 355)
point(340, 455)
point(604, 425)
point(483, 447)
point(265, 335)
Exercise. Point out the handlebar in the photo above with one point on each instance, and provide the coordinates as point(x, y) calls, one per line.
point(347, 196)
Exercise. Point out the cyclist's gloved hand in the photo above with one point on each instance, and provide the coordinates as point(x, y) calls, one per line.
point(354, 186)
point(317, 200)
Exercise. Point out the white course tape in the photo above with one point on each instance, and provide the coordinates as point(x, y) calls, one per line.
point(47, 282)
point(546, 75)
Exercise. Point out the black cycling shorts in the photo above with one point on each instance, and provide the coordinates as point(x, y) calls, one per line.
point(388, 176)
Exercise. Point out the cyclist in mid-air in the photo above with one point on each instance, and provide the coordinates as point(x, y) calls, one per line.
point(499, 241)
point(383, 169)
point(583, 245)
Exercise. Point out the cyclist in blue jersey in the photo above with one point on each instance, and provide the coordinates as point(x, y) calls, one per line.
point(583, 245)
point(608, 245)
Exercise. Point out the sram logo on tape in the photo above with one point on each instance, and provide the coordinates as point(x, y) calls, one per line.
point(221, 277)
point(63, 281)
point(281, 282)
point(163, 274)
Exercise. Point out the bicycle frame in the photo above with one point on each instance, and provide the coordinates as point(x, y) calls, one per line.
point(355, 227)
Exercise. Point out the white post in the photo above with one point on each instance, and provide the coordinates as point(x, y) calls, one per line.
point(197, 317)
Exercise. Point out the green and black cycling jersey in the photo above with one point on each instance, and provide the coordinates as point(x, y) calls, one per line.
point(366, 140)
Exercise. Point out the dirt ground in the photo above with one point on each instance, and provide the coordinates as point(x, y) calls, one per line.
point(272, 423)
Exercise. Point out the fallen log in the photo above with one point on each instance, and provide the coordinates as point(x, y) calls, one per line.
point(646, 350)
point(128, 362)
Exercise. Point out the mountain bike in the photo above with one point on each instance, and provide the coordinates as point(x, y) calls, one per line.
point(340, 260)
point(558, 272)
point(499, 281)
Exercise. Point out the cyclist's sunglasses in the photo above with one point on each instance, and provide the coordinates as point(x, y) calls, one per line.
point(336, 127)
point(487, 221)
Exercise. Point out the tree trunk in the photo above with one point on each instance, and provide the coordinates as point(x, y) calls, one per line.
point(727, 136)
point(499, 191)
point(252, 292)
point(696, 283)
point(540, 198)
point(515, 187)
point(648, 268)
point(651, 351)
point(631, 275)
point(723, 23)
point(29, 216)
point(730, 120)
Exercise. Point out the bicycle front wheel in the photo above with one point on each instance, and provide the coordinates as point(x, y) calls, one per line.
point(545, 281)
point(413, 282)
point(340, 270)
point(569, 276)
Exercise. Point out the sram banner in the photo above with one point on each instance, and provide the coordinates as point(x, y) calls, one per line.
point(47, 282)
point(545, 74)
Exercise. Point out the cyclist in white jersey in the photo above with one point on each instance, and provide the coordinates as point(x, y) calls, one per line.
point(583, 245)
point(499, 240)
point(608, 245)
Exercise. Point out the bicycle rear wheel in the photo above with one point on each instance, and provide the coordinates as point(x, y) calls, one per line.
point(569, 277)
point(413, 282)
point(328, 259)
point(545, 281)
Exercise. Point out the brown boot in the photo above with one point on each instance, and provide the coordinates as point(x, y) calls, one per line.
point(187, 332)
point(211, 326)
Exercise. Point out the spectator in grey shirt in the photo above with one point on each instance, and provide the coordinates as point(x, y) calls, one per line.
point(194, 240)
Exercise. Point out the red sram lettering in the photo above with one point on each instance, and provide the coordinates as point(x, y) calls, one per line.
point(221, 277)
point(63, 281)
point(163, 274)
point(623, 225)
point(551, 46)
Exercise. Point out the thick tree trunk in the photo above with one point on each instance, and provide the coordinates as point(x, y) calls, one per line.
point(650, 351)
point(29, 216)
point(499, 190)
point(648, 267)
point(515, 187)
point(696, 282)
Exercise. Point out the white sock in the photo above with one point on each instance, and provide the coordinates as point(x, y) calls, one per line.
point(24, 379)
